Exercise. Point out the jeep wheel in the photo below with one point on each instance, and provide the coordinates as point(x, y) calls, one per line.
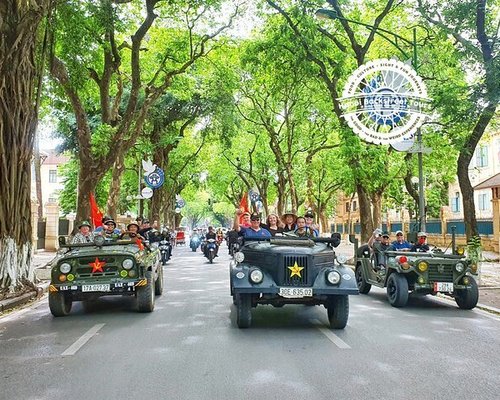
point(397, 290)
point(146, 295)
point(338, 311)
point(60, 304)
point(159, 281)
point(363, 286)
point(244, 311)
point(467, 299)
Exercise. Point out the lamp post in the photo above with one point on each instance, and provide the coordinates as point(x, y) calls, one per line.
point(393, 38)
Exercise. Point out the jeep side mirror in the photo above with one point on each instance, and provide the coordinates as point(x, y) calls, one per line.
point(62, 241)
point(336, 239)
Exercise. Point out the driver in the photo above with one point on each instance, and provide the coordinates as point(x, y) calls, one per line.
point(211, 235)
point(421, 244)
point(303, 230)
point(84, 234)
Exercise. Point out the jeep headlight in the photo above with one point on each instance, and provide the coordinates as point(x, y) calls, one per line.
point(460, 267)
point(128, 263)
point(65, 268)
point(239, 256)
point(333, 277)
point(422, 266)
point(342, 259)
point(256, 276)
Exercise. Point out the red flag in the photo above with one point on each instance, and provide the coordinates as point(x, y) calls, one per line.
point(139, 244)
point(244, 204)
point(95, 213)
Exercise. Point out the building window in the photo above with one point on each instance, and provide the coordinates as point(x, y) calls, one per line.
point(483, 202)
point(347, 207)
point(455, 203)
point(354, 205)
point(482, 156)
point(53, 176)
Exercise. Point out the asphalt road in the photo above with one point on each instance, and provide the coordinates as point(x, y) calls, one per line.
point(190, 348)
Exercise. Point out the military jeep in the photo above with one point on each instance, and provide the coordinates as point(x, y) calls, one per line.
point(419, 272)
point(288, 270)
point(87, 271)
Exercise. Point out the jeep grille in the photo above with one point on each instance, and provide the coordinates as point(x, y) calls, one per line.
point(440, 273)
point(289, 261)
point(110, 269)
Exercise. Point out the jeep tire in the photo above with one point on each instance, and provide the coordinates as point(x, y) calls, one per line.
point(244, 310)
point(60, 304)
point(467, 299)
point(337, 308)
point(146, 295)
point(397, 290)
point(159, 281)
point(363, 286)
point(211, 256)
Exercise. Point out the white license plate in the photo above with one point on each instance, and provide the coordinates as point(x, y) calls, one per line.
point(446, 287)
point(295, 292)
point(96, 288)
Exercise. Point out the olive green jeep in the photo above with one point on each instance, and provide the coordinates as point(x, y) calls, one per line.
point(419, 272)
point(87, 271)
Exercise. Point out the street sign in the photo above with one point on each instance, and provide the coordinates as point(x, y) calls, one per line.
point(147, 192)
point(404, 145)
point(420, 148)
point(155, 179)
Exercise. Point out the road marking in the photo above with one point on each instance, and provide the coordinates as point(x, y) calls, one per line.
point(71, 350)
point(332, 337)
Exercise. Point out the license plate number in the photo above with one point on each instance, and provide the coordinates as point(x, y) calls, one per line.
point(295, 292)
point(446, 287)
point(96, 288)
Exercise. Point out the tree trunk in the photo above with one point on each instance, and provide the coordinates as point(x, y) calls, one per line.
point(377, 209)
point(365, 213)
point(464, 160)
point(115, 186)
point(37, 162)
point(87, 183)
point(19, 73)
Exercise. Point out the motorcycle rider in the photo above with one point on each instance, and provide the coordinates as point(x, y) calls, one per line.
point(211, 235)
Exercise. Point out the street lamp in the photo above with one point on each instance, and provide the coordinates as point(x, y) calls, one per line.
point(393, 38)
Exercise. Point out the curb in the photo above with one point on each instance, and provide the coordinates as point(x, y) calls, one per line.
point(9, 304)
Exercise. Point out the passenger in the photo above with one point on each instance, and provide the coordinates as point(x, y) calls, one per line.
point(303, 230)
point(273, 225)
point(400, 244)
point(309, 217)
point(255, 231)
point(245, 219)
point(100, 228)
point(288, 220)
point(421, 244)
point(145, 228)
point(84, 234)
point(110, 231)
point(380, 244)
point(132, 232)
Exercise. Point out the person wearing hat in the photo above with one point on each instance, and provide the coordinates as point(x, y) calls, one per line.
point(400, 244)
point(84, 234)
point(255, 231)
point(145, 228)
point(380, 244)
point(132, 232)
point(421, 244)
point(101, 228)
point(289, 219)
point(309, 218)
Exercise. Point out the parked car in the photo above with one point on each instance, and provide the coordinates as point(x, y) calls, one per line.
point(286, 270)
point(419, 272)
point(87, 271)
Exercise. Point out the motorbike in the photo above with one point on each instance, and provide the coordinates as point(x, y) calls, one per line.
point(194, 242)
point(165, 249)
point(211, 250)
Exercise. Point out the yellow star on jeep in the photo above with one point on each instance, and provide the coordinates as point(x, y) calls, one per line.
point(295, 270)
